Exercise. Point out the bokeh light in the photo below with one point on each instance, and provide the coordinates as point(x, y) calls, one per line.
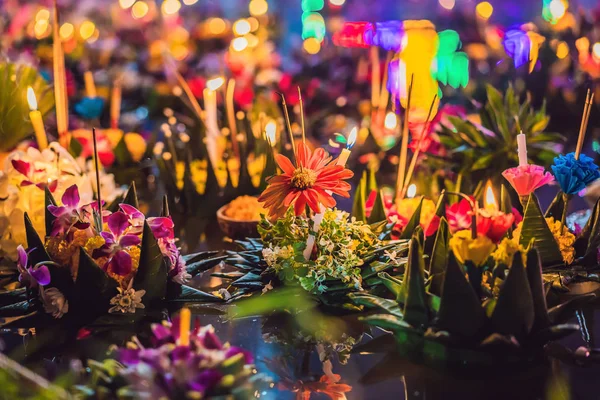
point(170, 7)
point(258, 7)
point(139, 9)
point(312, 45)
point(216, 26)
point(562, 50)
point(596, 50)
point(338, 3)
point(447, 4)
point(241, 27)
point(484, 10)
point(66, 31)
point(124, 4)
point(86, 30)
point(239, 43)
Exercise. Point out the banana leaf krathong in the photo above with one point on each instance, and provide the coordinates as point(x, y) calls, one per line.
point(252, 272)
point(81, 290)
point(462, 329)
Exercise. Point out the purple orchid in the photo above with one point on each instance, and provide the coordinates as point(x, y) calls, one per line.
point(27, 170)
point(117, 242)
point(69, 214)
point(163, 230)
point(31, 276)
point(136, 218)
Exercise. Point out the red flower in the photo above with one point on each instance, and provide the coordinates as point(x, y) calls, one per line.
point(197, 85)
point(494, 226)
point(105, 150)
point(459, 216)
point(312, 181)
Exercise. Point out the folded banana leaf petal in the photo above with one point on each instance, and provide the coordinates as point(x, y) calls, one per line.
point(34, 243)
point(13, 296)
point(48, 201)
point(514, 313)
point(556, 208)
point(413, 223)
point(535, 227)
point(151, 275)
point(563, 312)
point(360, 198)
point(386, 321)
point(200, 266)
point(439, 256)
point(131, 196)
point(93, 287)
point(377, 302)
point(190, 294)
point(416, 312)
point(394, 285)
point(460, 311)
point(378, 212)
point(536, 285)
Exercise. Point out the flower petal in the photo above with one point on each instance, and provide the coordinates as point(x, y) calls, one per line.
point(41, 274)
point(118, 222)
point(129, 240)
point(71, 197)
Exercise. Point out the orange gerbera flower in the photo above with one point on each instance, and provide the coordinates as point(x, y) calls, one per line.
point(312, 181)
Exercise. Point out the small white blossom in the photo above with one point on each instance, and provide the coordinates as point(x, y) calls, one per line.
point(269, 256)
point(54, 302)
point(127, 300)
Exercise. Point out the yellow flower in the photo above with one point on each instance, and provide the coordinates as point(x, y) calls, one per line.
point(94, 243)
point(475, 250)
point(506, 250)
point(564, 238)
point(245, 208)
point(136, 145)
point(407, 207)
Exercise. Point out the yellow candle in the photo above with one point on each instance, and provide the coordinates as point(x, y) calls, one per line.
point(90, 86)
point(115, 106)
point(343, 158)
point(185, 318)
point(36, 120)
point(60, 85)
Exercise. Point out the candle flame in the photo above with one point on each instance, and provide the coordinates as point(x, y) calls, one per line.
point(214, 84)
point(352, 137)
point(271, 132)
point(411, 191)
point(31, 100)
point(489, 200)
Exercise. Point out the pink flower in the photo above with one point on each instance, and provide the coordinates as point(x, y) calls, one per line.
point(28, 171)
point(117, 244)
point(69, 214)
point(31, 276)
point(526, 179)
point(459, 216)
point(496, 226)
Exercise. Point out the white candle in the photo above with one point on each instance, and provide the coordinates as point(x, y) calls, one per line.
point(522, 149)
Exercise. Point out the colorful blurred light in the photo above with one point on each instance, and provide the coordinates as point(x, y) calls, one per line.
point(312, 45)
point(86, 30)
point(337, 3)
point(124, 4)
point(557, 9)
point(258, 7)
point(40, 29)
point(216, 26)
point(42, 15)
point(484, 10)
point(140, 9)
point(170, 7)
point(312, 5)
point(241, 27)
point(254, 24)
point(215, 83)
point(66, 31)
point(596, 50)
point(313, 25)
point(562, 50)
point(447, 4)
point(189, 2)
point(239, 43)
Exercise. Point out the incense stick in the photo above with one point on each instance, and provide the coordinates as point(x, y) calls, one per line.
point(404, 146)
point(231, 116)
point(60, 84)
point(289, 124)
point(302, 115)
point(413, 161)
point(375, 76)
point(97, 175)
point(587, 109)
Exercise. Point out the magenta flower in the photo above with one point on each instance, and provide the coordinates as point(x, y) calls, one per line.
point(136, 218)
point(527, 178)
point(117, 244)
point(31, 276)
point(162, 228)
point(27, 170)
point(69, 214)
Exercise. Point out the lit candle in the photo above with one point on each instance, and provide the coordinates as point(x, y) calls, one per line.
point(90, 86)
point(36, 120)
point(271, 133)
point(318, 218)
point(185, 318)
point(210, 108)
point(343, 158)
point(115, 106)
point(522, 149)
point(489, 201)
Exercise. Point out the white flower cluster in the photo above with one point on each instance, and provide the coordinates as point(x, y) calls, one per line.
point(271, 255)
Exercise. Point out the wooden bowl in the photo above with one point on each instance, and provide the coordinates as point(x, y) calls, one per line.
point(234, 228)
